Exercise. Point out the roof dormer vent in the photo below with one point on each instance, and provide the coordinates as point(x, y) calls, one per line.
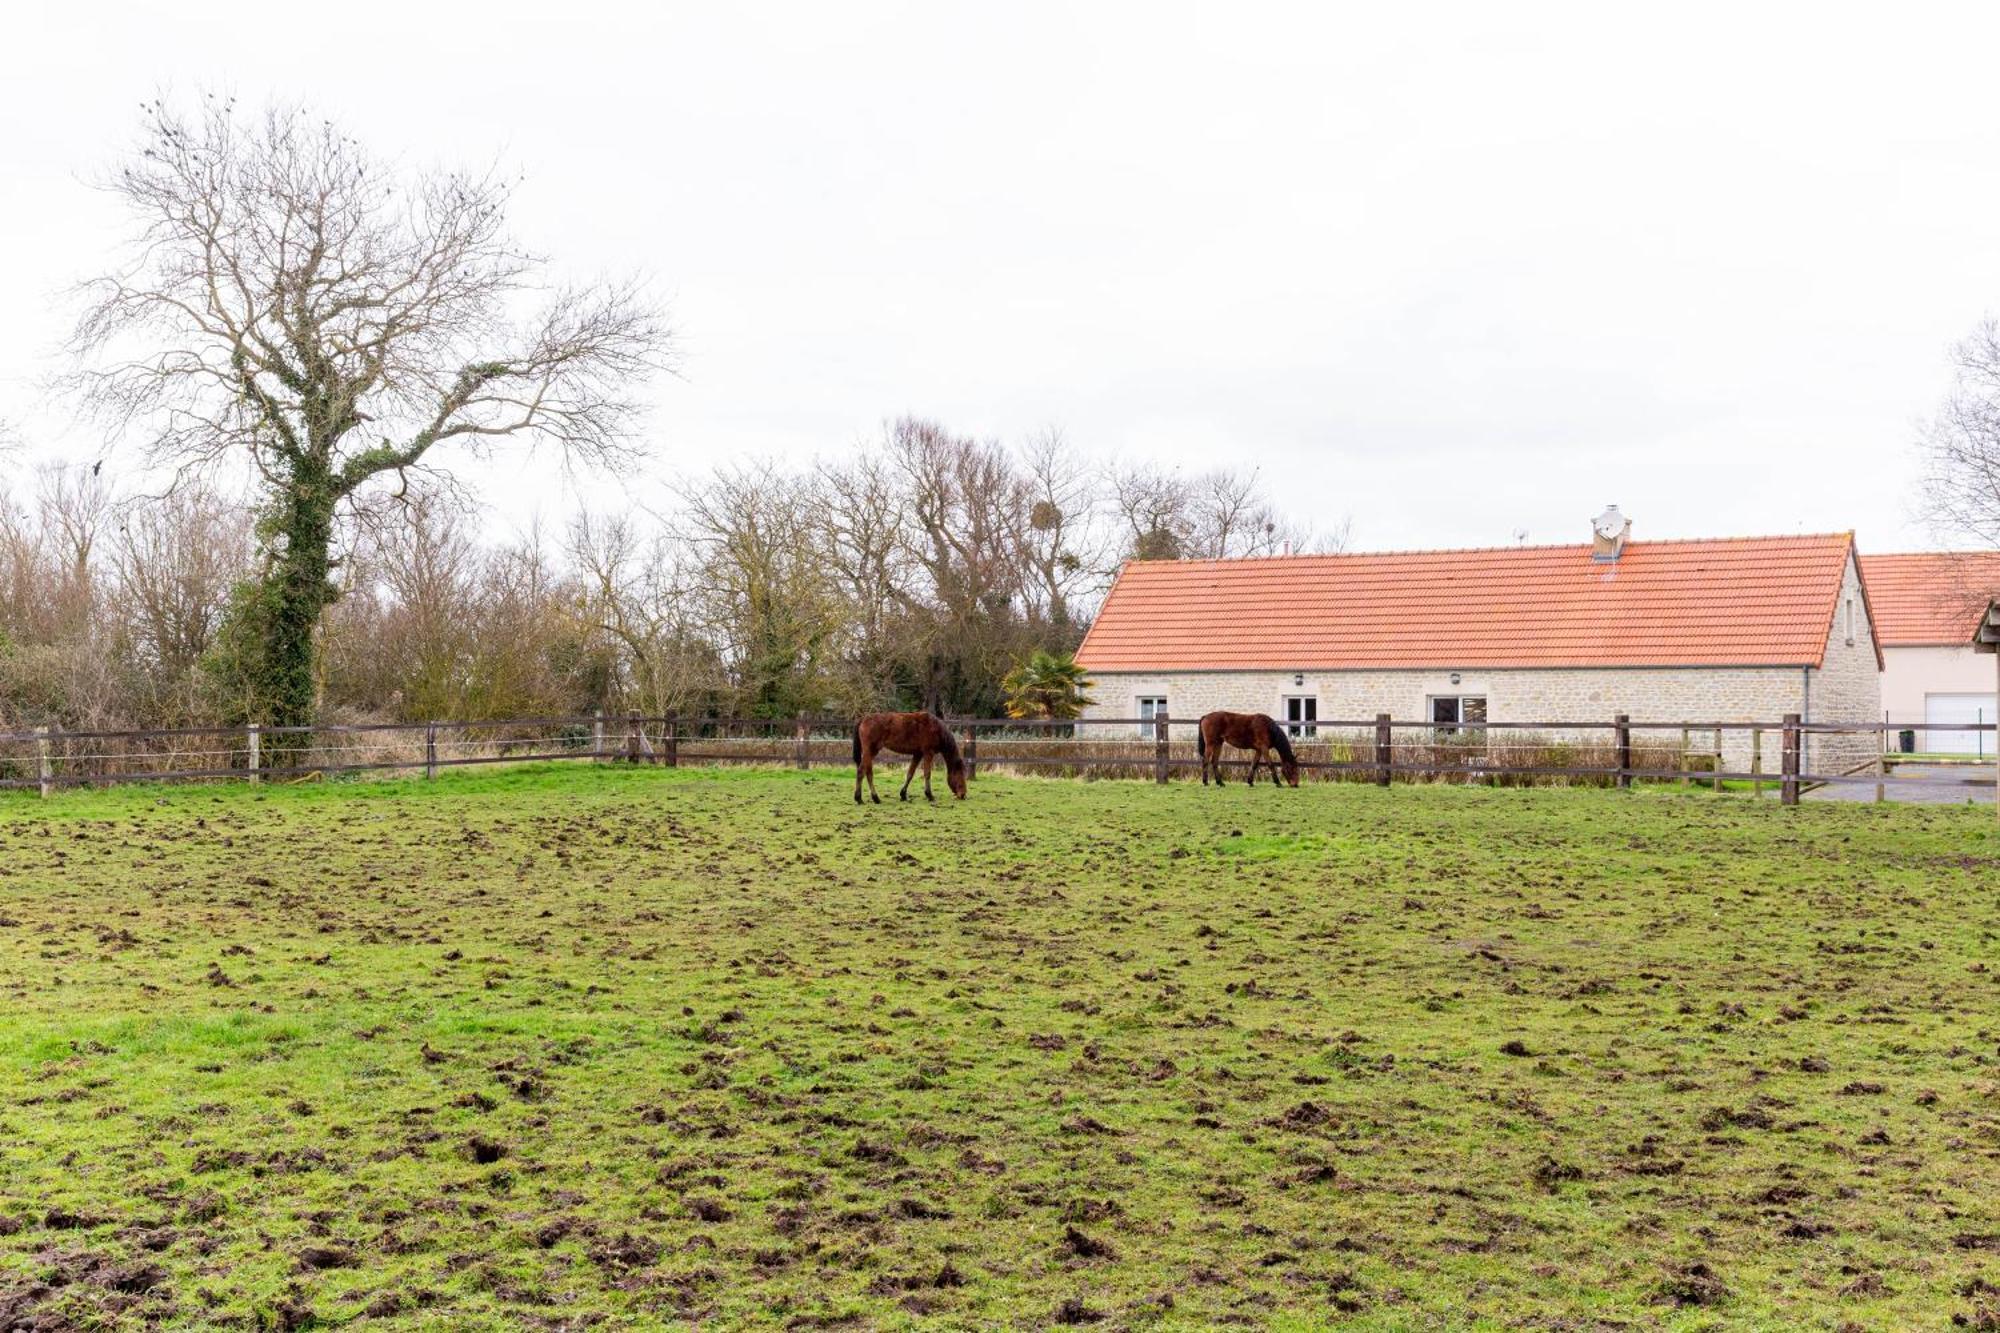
point(1609, 531)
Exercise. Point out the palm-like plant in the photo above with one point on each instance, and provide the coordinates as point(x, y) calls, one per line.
point(1047, 685)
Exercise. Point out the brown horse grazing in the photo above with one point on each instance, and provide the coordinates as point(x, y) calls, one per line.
point(918, 735)
point(1246, 731)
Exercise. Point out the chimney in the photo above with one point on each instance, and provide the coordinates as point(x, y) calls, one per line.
point(1609, 531)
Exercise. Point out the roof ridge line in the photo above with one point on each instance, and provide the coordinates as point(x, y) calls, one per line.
point(1480, 550)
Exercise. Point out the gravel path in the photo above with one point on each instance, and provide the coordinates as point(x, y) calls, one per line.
point(1923, 784)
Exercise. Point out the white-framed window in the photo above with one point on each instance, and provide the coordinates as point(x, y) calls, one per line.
point(1452, 711)
point(1150, 707)
point(1301, 712)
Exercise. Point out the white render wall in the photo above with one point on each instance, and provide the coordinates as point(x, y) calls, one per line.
point(1911, 673)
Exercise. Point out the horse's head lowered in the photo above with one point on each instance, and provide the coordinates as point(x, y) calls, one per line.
point(954, 762)
point(1288, 762)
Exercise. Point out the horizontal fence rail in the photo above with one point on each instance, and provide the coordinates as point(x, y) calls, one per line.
point(1786, 756)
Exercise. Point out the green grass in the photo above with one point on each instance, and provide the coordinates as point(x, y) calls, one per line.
point(745, 1055)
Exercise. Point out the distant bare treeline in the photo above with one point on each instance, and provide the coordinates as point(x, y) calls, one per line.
point(915, 572)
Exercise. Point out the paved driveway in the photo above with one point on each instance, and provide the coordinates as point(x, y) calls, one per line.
point(1925, 784)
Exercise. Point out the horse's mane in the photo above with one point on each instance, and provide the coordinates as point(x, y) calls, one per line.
point(948, 747)
point(1281, 742)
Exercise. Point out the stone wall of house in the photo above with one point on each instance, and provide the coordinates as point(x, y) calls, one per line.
point(1847, 687)
point(1574, 695)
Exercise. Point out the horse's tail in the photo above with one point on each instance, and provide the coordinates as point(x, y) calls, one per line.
point(1201, 742)
point(1281, 742)
point(857, 745)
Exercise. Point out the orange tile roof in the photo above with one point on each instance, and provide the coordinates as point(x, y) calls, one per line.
point(1748, 601)
point(1930, 597)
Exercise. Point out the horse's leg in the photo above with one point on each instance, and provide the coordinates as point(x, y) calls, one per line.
point(868, 762)
point(927, 777)
point(860, 763)
point(1272, 760)
point(910, 776)
point(1256, 758)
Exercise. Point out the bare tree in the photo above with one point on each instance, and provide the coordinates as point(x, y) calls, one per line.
point(1219, 515)
point(636, 597)
point(1961, 489)
point(1152, 506)
point(175, 558)
point(65, 656)
point(863, 512)
point(293, 304)
point(1062, 547)
point(968, 507)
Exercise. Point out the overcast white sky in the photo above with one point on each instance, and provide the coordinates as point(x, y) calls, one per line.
point(1457, 271)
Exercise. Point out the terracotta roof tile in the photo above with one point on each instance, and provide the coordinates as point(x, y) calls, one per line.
point(1752, 601)
point(1930, 597)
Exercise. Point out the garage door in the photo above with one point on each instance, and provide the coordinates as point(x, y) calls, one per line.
point(1957, 710)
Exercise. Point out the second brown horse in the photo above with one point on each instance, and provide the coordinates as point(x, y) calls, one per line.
point(1258, 733)
point(921, 736)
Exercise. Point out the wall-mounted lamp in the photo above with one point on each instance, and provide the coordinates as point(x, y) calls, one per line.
point(1454, 678)
point(1298, 678)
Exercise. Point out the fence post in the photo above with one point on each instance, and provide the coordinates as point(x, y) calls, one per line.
point(1385, 746)
point(801, 746)
point(430, 750)
point(1686, 740)
point(255, 734)
point(1716, 785)
point(971, 751)
point(1756, 761)
point(597, 737)
point(634, 736)
point(1788, 790)
point(42, 754)
point(673, 738)
point(1160, 746)
point(1622, 734)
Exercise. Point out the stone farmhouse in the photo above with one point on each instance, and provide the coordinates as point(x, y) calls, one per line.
point(1740, 629)
point(1927, 606)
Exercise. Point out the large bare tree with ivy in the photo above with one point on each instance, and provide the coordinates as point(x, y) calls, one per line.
point(293, 304)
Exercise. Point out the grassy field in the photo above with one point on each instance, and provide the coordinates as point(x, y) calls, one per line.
point(644, 1049)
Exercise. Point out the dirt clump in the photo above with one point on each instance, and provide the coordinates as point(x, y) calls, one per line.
point(1074, 1311)
point(1730, 1117)
point(317, 1258)
point(625, 1251)
point(1692, 1285)
point(1549, 1173)
point(1079, 1246)
point(1304, 1116)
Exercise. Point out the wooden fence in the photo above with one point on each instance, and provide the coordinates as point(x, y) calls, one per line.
point(1614, 753)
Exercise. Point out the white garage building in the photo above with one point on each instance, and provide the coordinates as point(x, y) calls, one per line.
point(1927, 605)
